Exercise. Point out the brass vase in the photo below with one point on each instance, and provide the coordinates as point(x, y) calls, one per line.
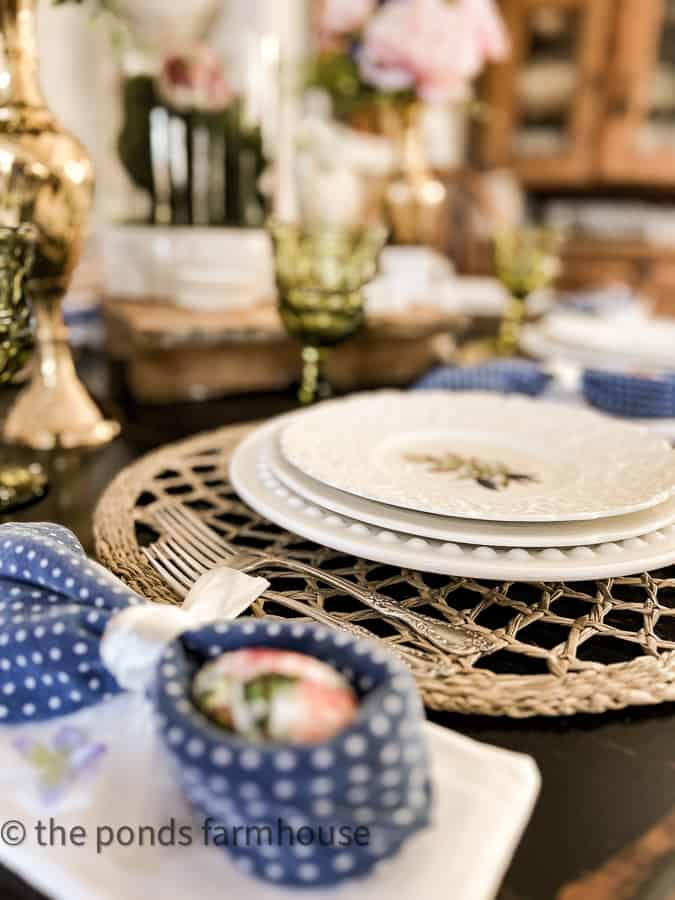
point(46, 179)
point(416, 201)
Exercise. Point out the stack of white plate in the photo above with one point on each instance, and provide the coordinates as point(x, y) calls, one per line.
point(628, 340)
point(467, 484)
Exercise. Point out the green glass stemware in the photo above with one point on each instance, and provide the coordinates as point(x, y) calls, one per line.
point(526, 260)
point(18, 484)
point(320, 275)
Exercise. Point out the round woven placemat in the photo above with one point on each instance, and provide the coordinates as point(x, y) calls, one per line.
point(560, 649)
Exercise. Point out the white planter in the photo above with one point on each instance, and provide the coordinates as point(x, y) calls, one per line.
point(197, 268)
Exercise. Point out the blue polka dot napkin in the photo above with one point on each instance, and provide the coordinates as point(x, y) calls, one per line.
point(54, 605)
point(372, 780)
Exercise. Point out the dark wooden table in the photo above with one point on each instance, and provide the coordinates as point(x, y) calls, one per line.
point(606, 779)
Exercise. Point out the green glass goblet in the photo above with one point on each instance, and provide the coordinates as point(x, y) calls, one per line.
point(526, 260)
point(320, 275)
point(19, 485)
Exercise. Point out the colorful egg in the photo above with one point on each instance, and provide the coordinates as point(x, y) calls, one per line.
point(265, 694)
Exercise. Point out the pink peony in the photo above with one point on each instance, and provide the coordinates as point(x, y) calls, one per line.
point(345, 16)
point(488, 27)
point(430, 46)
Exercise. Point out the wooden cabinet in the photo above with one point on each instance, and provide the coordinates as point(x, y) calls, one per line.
point(638, 137)
point(588, 95)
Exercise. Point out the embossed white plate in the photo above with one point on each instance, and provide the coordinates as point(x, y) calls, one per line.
point(537, 341)
point(254, 481)
point(467, 531)
point(481, 456)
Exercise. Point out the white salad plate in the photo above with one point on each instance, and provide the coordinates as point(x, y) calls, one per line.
point(253, 479)
point(481, 456)
point(648, 338)
point(601, 344)
point(466, 531)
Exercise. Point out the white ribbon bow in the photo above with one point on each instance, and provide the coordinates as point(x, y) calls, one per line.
point(134, 639)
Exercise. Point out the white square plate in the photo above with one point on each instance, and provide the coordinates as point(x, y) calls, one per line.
point(484, 797)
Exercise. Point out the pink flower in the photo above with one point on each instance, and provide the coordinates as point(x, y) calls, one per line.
point(345, 16)
point(431, 46)
point(488, 27)
point(194, 81)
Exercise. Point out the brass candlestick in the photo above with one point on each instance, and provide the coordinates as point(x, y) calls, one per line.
point(46, 179)
point(18, 484)
point(416, 201)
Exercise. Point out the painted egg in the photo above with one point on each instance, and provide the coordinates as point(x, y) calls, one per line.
point(265, 694)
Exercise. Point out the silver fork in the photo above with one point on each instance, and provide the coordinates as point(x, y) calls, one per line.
point(181, 576)
point(193, 543)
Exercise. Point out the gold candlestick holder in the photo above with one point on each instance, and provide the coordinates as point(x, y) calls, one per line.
point(19, 484)
point(46, 179)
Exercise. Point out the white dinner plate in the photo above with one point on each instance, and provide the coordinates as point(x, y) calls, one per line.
point(254, 481)
point(466, 531)
point(481, 456)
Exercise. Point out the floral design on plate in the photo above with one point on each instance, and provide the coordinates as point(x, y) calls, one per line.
point(495, 476)
point(581, 465)
point(65, 760)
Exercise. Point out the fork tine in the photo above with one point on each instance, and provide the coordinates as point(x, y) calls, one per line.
point(177, 514)
point(172, 576)
point(176, 528)
point(188, 542)
point(190, 567)
point(188, 557)
point(164, 557)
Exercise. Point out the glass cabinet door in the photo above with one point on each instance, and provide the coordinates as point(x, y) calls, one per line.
point(547, 82)
point(639, 145)
point(543, 104)
point(657, 131)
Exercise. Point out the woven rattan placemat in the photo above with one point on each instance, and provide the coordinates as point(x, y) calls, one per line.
point(560, 649)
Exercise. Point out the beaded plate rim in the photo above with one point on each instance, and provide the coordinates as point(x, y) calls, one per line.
point(253, 479)
point(595, 688)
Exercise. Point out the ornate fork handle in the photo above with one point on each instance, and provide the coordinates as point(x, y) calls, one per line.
point(415, 659)
point(456, 639)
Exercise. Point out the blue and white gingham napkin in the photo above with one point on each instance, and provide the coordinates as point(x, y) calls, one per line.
point(630, 396)
point(516, 376)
